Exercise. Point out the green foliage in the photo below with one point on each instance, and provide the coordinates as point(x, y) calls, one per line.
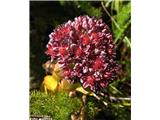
point(123, 15)
point(91, 109)
point(120, 112)
point(122, 19)
point(59, 106)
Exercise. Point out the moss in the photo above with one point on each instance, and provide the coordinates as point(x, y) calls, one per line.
point(59, 106)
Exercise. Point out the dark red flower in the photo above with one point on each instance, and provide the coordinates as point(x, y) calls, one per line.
point(78, 52)
point(98, 64)
point(85, 40)
point(86, 52)
point(63, 51)
point(66, 72)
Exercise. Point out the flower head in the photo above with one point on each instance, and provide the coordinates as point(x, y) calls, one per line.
point(85, 51)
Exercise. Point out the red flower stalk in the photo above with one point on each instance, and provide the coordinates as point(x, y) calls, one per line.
point(85, 51)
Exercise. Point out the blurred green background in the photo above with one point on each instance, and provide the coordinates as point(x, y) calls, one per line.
point(46, 15)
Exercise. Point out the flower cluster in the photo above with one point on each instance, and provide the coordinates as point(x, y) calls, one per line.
point(85, 51)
